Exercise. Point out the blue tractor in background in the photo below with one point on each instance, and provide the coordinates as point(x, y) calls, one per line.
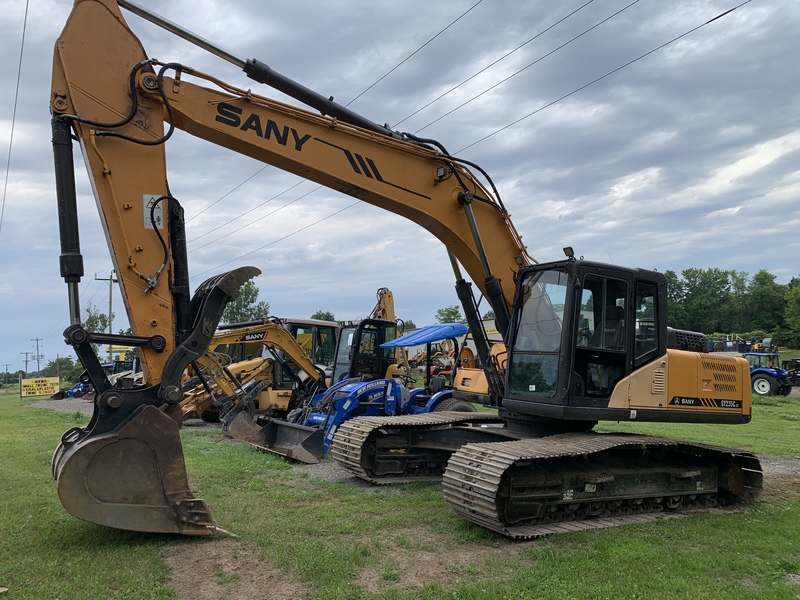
point(766, 375)
point(362, 350)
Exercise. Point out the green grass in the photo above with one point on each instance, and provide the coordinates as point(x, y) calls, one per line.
point(346, 540)
point(774, 428)
point(46, 553)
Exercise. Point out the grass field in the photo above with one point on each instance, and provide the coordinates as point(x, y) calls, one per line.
point(302, 534)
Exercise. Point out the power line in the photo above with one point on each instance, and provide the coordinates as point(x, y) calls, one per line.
point(541, 58)
point(390, 71)
point(254, 221)
point(413, 53)
point(348, 104)
point(289, 189)
point(226, 195)
point(14, 116)
point(583, 87)
point(493, 63)
point(272, 243)
point(673, 40)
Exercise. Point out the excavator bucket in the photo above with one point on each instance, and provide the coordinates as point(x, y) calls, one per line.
point(297, 442)
point(239, 426)
point(132, 477)
point(126, 469)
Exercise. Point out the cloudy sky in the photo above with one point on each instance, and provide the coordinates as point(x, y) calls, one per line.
point(686, 157)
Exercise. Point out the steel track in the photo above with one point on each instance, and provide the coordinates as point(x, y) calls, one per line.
point(476, 480)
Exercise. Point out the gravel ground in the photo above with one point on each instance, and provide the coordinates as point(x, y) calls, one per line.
point(330, 470)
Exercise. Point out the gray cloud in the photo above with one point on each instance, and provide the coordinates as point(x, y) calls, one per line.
point(686, 158)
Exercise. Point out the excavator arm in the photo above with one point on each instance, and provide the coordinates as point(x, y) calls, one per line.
point(224, 385)
point(232, 388)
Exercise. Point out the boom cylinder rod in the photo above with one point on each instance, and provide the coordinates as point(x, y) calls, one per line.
point(176, 29)
point(262, 73)
point(71, 260)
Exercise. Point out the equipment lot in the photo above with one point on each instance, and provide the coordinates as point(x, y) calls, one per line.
point(310, 532)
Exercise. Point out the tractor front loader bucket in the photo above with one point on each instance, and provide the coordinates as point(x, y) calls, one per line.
point(132, 477)
point(239, 425)
point(298, 442)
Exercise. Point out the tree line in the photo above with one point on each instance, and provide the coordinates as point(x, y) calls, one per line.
point(713, 301)
point(722, 303)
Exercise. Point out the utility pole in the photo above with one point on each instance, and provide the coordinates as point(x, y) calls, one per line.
point(26, 363)
point(37, 357)
point(111, 281)
point(5, 374)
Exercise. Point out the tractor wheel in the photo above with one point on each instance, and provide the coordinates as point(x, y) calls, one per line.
point(456, 405)
point(764, 385)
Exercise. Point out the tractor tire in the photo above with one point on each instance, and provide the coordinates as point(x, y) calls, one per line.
point(764, 385)
point(456, 405)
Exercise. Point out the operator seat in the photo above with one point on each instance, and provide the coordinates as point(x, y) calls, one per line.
point(610, 334)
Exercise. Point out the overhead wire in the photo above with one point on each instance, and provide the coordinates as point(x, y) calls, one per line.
point(348, 104)
point(398, 65)
point(440, 32)
point(288, 235)
point(220, 199)
point(548, 28)
point(538, 60)
point(254, 221)
point(616, 70)
point(244, 214)
point(493, 63)
point(583, 87)
point(14, 116)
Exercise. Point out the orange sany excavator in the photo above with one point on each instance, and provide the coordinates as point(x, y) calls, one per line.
point(585, 341)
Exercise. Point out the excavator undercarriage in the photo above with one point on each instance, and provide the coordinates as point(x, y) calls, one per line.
point(533, 487)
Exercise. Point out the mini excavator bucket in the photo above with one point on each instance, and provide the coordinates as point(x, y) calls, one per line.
point(297, 442)
point(126, 468)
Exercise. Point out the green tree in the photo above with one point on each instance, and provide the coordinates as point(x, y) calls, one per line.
point(63, 367)
point(409, 325)
point(676, 313)
point(489, 314)
point(792, 315)
point(707, 299)
point(246, 307)
point(323, 315)
point(766, 302)
point(96, 322)
point(449, 314)
point(739, 301)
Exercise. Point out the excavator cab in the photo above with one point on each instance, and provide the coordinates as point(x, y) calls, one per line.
point(589, 342)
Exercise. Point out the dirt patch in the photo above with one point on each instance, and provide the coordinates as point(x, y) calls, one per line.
point(67, 405)
point(781, 485)
point(416, 557)
point(226, 569)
